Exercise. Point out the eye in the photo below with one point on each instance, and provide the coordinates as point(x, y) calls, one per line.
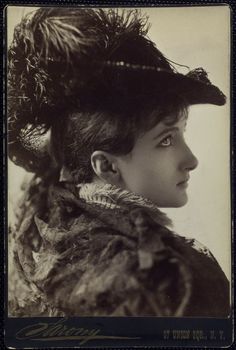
point(167, 141)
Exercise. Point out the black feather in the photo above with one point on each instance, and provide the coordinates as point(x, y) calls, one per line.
point(55, 54)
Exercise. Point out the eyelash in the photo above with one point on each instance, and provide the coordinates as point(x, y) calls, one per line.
point(170, 137)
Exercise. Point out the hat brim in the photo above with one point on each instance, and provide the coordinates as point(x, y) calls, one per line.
point(195, 91)
point(136, 84)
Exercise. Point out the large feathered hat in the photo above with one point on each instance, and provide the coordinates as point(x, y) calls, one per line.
point(63, 59)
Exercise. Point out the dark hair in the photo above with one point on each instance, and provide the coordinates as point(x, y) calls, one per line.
point(114, 131)
point(107, 93)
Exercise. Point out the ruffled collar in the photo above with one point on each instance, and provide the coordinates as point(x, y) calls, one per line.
point(110, 197)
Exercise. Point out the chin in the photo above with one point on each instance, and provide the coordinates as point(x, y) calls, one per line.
point(181, 203)
point(176, 203)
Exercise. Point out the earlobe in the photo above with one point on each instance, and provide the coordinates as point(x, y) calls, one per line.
point(105, 167)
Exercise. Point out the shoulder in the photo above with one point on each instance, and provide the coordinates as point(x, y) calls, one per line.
point(108, 271)
point(91, 262)
point(201, 248)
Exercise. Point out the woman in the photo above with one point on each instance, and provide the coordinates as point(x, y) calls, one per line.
point(99, 113)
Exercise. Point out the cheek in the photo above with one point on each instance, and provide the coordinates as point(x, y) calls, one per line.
point(161, 170)
point(135, 174)
point(149, 176)
point(158, 181)
point(155, 176)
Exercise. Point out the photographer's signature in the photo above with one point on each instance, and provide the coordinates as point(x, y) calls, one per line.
point(43, 331)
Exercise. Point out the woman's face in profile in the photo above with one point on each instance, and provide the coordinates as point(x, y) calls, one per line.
point(158, 166)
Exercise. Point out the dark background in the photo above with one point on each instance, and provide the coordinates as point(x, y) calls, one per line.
point(117, 326)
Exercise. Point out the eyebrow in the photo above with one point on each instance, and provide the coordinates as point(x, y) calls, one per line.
point(165, 131)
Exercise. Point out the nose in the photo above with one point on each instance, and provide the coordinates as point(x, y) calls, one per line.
point(189, 161)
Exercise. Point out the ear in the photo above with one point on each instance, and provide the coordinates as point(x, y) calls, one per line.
point(105, 167)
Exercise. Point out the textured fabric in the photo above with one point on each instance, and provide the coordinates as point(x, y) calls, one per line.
point(108, 196)
point(90, 259)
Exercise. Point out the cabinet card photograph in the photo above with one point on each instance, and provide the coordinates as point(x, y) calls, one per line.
point(119, 170)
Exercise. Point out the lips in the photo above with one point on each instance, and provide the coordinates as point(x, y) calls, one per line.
point(184, 182)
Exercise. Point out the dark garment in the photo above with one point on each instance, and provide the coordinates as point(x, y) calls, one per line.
point(80, 259)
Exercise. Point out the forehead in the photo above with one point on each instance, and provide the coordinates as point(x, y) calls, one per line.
point(163, 126)
point(169, 121)
point(167, 112)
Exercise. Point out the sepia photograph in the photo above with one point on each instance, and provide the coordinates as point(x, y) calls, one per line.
point(118, 126)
